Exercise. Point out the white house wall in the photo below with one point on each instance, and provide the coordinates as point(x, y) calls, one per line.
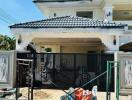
point(96, 6)
point(71, 11)
point(43, 9)
point(100, 9)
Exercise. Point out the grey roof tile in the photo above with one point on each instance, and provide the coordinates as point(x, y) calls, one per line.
point(68, 22)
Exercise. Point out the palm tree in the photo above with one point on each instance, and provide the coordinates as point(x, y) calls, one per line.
point(7, 43)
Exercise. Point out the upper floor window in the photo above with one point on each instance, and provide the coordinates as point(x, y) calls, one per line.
point(129, 27)
point(122, 15)
point(86, 14)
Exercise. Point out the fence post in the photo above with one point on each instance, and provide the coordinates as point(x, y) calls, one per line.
point(33, 74)
point(118, 82)
point(110, 68)
point(53, 75)
point(17, 71)
point(74, 68)
point(107, 82)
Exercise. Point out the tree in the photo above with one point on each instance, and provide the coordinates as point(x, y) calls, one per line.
point(7, 43)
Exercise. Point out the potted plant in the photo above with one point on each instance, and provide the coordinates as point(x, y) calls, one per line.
point(48, 49)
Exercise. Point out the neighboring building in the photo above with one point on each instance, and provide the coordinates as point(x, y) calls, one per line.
point(79, 26)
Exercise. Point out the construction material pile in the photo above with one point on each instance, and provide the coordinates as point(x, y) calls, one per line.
point(80, 94)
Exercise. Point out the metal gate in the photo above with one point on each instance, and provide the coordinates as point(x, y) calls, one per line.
point(63, 70)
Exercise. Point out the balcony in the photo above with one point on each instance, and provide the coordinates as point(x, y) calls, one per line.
point(124, 22)
point(123, 16)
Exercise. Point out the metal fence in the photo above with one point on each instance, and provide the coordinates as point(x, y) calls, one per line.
point(64, 70)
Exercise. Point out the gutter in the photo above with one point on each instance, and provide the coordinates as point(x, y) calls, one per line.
point(40, 1)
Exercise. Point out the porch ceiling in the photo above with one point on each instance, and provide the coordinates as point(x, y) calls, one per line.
point(69, 41)
point(126, 47)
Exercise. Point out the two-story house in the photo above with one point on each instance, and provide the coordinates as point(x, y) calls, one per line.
point(79, 26)
point(73, 24)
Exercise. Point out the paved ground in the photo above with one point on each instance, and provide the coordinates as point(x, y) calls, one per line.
point(48, 94)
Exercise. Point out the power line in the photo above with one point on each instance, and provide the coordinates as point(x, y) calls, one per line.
point(6, 21)
point(6, 17)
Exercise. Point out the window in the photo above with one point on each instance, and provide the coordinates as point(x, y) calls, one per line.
point(129, 27)
point(86, 14)
point(123, 15)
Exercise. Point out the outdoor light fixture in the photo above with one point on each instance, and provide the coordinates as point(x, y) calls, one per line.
point(19, 39)
point(54, 14)
point(108, 14)
point(114, 40)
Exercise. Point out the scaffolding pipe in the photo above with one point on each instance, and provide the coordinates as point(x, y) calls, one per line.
point(108, 81)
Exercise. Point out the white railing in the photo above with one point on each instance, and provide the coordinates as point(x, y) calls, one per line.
point(125, 22)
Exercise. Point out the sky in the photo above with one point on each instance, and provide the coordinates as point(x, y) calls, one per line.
point(18, 11)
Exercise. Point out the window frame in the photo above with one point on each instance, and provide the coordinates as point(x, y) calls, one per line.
point(90, 11)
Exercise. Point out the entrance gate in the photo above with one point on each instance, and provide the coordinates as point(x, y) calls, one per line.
point(61, 71)
point(69, 70)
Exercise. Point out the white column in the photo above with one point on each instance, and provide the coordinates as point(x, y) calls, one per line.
point(108, 12)
point(109, 43)
point(25, 40)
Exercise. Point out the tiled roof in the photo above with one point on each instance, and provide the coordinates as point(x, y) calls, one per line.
point(68, 22)
point(56, 0)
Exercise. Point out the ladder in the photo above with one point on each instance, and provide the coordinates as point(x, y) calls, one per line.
point(29, 78)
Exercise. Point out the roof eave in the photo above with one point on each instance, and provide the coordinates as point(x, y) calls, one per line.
point(101, 27)
point(40, 1)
